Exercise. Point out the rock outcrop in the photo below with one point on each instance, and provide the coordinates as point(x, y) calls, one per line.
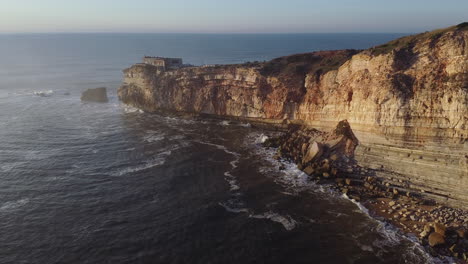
point(95, 95)
point(320, 154)
point(406, 101)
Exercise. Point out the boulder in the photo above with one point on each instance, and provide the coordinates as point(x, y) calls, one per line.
point(423, 234)
point(343, 140)
point(314, 151)
point(439, 228)
point(427, 228)
point(95, 95)
point(436, 239)
point(461, 232)
point(309, 170)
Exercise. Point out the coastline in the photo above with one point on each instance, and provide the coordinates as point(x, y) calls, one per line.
point(414, 215)
point(404, 158)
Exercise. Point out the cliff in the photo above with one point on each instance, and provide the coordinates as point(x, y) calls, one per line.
point(406, 101)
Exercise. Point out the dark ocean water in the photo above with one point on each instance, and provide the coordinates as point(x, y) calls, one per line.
point(105, 183)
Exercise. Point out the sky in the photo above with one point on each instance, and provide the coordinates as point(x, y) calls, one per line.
point(230, 16)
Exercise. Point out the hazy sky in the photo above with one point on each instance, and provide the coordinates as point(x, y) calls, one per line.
point(214, 16)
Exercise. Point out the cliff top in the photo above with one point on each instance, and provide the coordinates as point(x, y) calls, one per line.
point(410, 41)
point(295, 67)
point(299, 64)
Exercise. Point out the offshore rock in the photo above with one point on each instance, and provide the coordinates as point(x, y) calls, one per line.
point(406, 101)
point(95, 95)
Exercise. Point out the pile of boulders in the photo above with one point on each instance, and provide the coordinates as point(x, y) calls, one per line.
point(319, 154)
point(449, 241)
point(328, 157)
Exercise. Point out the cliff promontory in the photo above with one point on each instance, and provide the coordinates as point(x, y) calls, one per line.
point(406, 102)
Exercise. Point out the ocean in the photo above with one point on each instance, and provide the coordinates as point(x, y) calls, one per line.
point(107, 183)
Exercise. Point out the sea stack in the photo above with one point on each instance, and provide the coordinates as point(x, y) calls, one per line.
point(98, 95)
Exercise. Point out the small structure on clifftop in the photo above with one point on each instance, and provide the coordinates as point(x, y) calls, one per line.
point(164, 63)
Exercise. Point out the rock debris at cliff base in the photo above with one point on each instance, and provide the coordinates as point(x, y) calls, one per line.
point(406, 102)
point(328, 158)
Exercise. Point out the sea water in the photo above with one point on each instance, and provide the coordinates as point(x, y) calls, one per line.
point(107, 183)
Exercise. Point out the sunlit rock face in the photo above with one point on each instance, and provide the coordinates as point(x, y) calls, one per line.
point(406, 101)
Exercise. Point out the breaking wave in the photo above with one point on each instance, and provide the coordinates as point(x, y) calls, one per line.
point(261, 139)
point(130, 109)
point(154, 136)
point(287, 221)
point(392, 236)
point(233, 184)
point(296, 181)
point(47, 93)
point(157, 161)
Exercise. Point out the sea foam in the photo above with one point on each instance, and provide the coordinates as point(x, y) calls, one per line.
point(47, 93)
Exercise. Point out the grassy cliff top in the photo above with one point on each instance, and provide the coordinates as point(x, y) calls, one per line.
point(300, 64)
point(409, 41)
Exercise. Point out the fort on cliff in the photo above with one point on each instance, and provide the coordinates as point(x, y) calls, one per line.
point(164, 63)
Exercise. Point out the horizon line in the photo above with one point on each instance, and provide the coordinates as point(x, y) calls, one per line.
point(200, 33)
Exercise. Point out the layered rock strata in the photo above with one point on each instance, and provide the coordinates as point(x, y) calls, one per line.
point(406, 102)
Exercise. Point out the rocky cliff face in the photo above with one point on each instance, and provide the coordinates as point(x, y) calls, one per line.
point(406, 101)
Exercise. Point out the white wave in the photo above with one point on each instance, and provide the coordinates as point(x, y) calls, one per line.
point(157, 161)
point(392, 236)
point(234, 206)
point(231, 179)
point(358, 204)
point(245, 125)
point(287, 221)
point(47, 93)
point(232, 209)
point(365, 247)
point(224, 123)
point(297, 181)
point(177, 120)
point(261, 139)
point(11, 205)
point(293, 179)
point(130, 109)
point(154, 137)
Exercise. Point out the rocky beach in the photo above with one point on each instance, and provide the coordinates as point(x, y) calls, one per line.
point(328, 159)
point(387, 126)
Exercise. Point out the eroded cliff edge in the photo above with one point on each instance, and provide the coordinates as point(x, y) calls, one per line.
point(406, 101)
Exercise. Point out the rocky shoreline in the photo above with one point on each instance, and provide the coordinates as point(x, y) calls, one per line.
point(328, 158)
point(406, 101)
